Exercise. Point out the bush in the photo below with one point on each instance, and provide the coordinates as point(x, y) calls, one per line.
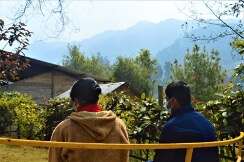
point(142, 116)
point(5, 119)
point(226, 113)
point(22, 112)
point(55, 111)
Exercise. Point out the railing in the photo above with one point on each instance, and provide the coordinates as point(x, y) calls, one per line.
point(74, 145)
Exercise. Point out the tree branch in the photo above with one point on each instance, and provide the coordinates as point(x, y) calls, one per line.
point(219, 18)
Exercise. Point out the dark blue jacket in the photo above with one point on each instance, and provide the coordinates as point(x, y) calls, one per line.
point(187, 125)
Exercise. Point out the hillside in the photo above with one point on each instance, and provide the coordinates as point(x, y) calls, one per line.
point(165, 40)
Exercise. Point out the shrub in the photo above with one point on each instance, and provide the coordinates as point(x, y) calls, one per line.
point(22, 112)
point(143, 117)
point(56, 110)
point(226, 113)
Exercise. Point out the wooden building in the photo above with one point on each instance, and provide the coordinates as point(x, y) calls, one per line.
point(43, 80)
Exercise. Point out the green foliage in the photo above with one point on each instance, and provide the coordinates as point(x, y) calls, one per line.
point(125, 69)
point(239, 70)
point(55, 111)
point(202, 71)
point(226, 113)
point(5, 119)
point(22, 112)
point(139, 72)
point(143, 117)
point(15, 37)
point(96, 65)
point(239, 46)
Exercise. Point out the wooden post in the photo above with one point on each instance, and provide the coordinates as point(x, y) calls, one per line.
point(52, 84)
point(189, 152)
point(18, 131)
point(160, 95)
point(239, 156)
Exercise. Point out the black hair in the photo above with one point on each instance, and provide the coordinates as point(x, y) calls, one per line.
point(180, 91)
point(86, 91)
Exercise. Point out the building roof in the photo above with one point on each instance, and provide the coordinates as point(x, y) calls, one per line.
point(5, 83)
point(106, 89)
point(37, 67)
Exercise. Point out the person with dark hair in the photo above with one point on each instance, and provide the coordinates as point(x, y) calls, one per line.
point(89, 124)
point(185, 125)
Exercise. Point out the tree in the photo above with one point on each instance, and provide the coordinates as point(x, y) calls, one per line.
point(144, 60)
point(75, 60)
point(55, 9)
point(202, 71)
point(96, 65)
point(166, 72)
point(139, 72)
point(220, 10)
point(239, 70)
point(16, 36)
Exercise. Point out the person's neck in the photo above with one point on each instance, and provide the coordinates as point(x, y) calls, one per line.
point(94, 107)
point(182, 110)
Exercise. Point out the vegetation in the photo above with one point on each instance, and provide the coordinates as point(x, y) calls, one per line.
point(220, 10)
point(239, 70)
point(17, 37)
point(96, 65)
point(141, 72)
point(226, 113)
point(202, 71)
point(20, 111)
point(54, 112)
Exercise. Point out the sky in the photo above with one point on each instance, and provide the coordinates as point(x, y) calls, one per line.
point(86, 18)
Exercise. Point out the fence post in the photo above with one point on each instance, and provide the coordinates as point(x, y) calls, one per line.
point(188, 156)
point(239, 152)
point(18, 131)
point(160, 95)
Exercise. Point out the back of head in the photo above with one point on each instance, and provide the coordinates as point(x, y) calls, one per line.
point(180, 91)
point(86, 91)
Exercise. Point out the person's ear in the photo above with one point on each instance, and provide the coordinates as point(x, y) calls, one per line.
point(175, 103)
point(76, 102)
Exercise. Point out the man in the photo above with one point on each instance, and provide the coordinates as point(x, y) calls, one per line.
point(185, 125)
point(89, 124)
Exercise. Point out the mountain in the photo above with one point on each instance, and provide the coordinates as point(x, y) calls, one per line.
point(110, 44)
point(165, 40)
point(128, 42)
point(177, 50)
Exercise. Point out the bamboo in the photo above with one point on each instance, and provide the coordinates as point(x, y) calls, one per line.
point(188, 155)
point(76, 145)
point(239, 151)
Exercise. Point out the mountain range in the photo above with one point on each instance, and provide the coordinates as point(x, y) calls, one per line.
point(165, 40)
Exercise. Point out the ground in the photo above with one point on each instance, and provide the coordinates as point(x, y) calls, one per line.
point(22, 154)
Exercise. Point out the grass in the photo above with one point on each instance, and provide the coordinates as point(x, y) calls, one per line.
point(22, 154)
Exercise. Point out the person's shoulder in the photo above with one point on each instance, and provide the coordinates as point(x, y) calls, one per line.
point(119, 121)
point(170, 124)
point(63, 124)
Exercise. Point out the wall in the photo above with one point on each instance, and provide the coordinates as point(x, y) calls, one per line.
point(43, 86)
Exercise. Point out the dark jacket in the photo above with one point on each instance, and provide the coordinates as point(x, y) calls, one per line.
point(187, 125)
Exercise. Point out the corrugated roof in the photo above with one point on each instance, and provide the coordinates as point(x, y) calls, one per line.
point(106, 89)
point(110, 87)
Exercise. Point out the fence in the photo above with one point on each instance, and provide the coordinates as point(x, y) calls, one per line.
point(74, 145)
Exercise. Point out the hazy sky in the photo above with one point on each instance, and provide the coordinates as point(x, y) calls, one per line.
point(86, 18)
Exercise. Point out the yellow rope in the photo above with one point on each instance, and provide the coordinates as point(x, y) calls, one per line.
point(76, 145)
